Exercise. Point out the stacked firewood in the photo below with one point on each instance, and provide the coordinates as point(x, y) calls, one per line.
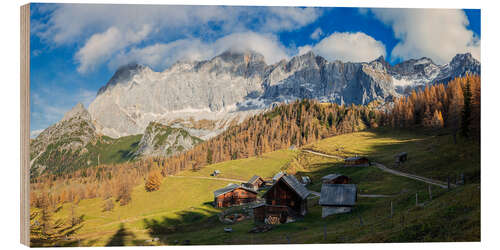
point(273, 220)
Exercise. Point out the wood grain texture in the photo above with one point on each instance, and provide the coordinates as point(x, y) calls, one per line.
point(25, 123)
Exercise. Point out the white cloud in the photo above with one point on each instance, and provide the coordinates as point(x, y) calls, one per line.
point(346, 46)
point(436, 33)
point(288, 18)
point(115, 29)
point(317, 33)
point(100, 47)
point(162, 55)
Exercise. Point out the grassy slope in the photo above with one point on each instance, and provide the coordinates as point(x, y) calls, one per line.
point(114, 150)
point(181, 211)
point(432, 155)
point(177, 199)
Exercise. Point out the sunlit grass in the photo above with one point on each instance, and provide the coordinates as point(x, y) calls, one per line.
point(430, 155)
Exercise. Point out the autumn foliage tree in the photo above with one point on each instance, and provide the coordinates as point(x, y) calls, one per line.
point(153, 181)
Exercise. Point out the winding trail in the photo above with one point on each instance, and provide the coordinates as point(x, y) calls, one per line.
point(207, 178)
point(321, 154)
point(392, 171)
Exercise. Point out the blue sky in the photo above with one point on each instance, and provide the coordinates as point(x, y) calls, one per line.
point(76, 48)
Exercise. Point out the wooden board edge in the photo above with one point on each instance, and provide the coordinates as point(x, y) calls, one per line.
point(25, 122)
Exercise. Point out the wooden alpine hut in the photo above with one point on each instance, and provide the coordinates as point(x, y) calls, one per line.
point(257, 182)
point(288, 191)
point(357, 161)
point(335, 179)
point(286, 200)
point(234, 194)
point(337, 198)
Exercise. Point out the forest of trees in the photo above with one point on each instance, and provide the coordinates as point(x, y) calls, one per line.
point(297, 124)
point(454, 107)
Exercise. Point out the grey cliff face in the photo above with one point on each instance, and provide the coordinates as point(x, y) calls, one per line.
point(161, 140)
point(208, 96)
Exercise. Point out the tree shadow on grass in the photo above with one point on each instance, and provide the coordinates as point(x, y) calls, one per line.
point(186, 221)
point(120, 237)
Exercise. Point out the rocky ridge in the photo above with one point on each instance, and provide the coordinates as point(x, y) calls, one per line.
point(206, 97)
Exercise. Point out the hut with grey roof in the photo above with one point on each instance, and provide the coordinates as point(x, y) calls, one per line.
point(286, 200)
point(357, 161)
point(257, 182)
point(288, 191)
point(234, 194)
point(335, 179)
point(337, 198)
point(278, 175)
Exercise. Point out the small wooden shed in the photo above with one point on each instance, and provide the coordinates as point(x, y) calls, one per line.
point(337, 198)
point(357, 161)
point(401, 157)
point(272, 214)
point(288, 191)
point(335, 179)
point(257, 182)
point(233, 195)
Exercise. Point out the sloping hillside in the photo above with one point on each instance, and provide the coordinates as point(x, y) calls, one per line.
point(181, 210)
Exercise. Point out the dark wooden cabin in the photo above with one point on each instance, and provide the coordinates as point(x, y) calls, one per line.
point(335, 179)
point(257, 182)
point(288, 191)
point(337, 198)
point(285, 201)
point(233, 195)
point(401, 157)
point(357, 161)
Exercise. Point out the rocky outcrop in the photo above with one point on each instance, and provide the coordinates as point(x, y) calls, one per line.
point(63, 144)
point(162, 140)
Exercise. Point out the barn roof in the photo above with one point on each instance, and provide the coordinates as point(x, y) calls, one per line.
point(330, 177)
point(230, 188)
point(254, 179)
point(278, 175)
point(355, 158)
point(294, 184)
point(338, 195)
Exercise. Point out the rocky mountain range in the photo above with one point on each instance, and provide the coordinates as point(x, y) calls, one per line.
point(142, 112)
point(205, 97)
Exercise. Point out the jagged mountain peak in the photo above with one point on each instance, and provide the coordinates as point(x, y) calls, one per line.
point(464, 59)
point(122, 74)
point(78, 111)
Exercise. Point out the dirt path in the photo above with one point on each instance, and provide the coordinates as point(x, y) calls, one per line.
point(392, 171)
point(321, 154)
point(207, 178)
point(412, 176)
